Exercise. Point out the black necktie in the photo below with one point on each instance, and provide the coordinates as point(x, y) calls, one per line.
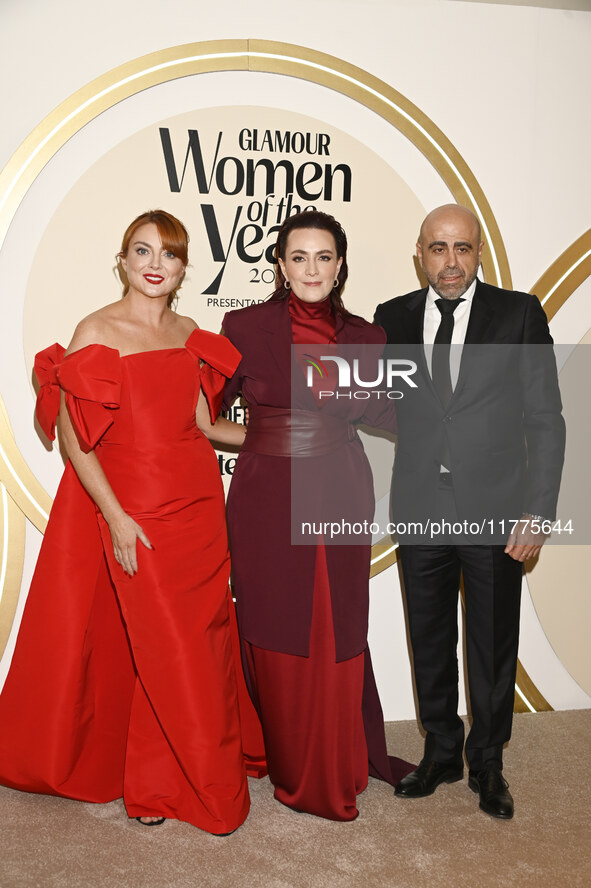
point(440, 371)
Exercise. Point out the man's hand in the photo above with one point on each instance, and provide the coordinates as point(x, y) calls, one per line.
point(526, 539)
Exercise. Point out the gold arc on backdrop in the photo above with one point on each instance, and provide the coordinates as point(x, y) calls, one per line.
point(22, 495)
point(553, 289)
point(258, 56)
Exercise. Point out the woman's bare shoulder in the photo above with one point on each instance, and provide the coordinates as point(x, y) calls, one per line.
point(95, 328)
point(187, 324)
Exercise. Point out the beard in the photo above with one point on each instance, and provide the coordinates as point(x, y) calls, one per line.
point(452, 290)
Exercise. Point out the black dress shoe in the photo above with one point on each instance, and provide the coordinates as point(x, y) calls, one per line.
point(495, 797)
point(427, 777)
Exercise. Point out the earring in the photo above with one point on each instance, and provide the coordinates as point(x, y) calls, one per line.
point(287, 285)
point(336, 283)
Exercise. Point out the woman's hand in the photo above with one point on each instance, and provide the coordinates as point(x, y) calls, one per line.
point(223, 430)
point(124, 530)
point(124, 534)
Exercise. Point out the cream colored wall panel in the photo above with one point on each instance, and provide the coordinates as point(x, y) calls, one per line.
point(507, 85)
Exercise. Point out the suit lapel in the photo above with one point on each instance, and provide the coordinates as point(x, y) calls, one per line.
point(481, 316)
point(278, 333)
point(479, 329)
point(341, 331)
point(413, 320)
point(414, 316)
point(275, 327)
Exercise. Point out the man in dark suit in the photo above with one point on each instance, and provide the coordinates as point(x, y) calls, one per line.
point(480, 446)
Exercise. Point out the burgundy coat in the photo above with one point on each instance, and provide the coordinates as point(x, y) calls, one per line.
point(274, 579)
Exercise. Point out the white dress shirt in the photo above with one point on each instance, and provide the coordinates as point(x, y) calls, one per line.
point(431, 325)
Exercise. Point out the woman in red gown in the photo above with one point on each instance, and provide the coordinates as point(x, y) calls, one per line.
point(303, 609)
point(123, 680)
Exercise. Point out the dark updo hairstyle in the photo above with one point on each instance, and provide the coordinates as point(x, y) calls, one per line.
point(173, 235)
point(323, 222)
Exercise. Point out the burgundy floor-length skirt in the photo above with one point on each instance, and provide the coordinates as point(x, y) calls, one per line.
point(321, 720)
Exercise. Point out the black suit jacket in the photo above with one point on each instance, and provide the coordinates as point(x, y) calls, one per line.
point(503, 426)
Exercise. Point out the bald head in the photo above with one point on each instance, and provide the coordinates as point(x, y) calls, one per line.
point(449, 249)
point(450, 213)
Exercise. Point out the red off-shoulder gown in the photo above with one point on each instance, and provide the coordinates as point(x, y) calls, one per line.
point(126, 686)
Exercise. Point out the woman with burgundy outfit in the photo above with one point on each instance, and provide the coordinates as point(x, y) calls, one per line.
point(303, 609)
